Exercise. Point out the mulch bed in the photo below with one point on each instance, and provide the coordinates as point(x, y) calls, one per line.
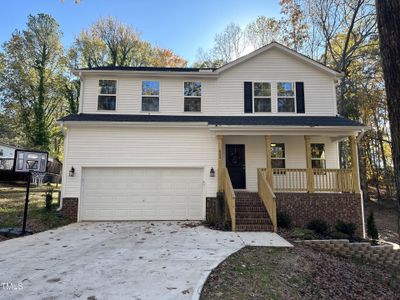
point(297, 273)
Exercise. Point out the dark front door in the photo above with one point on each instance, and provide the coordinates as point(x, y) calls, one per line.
point(236, 165)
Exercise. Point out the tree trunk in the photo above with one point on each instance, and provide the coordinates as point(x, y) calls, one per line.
point(389, 32)
point(386, 176)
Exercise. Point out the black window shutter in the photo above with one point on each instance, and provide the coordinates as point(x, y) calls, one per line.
point(248, 97)
point(300, 98)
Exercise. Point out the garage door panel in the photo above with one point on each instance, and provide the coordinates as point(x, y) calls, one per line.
point(142, 194)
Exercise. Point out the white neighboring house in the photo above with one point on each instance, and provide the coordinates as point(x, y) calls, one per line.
point(7, 151)
point(6, 156)
point(147, 142)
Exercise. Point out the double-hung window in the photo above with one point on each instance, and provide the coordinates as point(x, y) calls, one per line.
point(192, 96)
point(278, 159)
point(262, 97)
point(286, 97)
point(318, 160)
point(107, 97)
point(150, 95)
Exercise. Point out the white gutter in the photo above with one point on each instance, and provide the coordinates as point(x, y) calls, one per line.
point(362, 133)
point(139, 124)
point(280, 127)
point(147, 73)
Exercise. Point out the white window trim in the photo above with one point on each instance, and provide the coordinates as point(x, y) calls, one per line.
point(150, 96)
point(320, 159)
point(116, 95)
point(201, 97)
point(280, 158)
point(294, 98)
point(255, 97)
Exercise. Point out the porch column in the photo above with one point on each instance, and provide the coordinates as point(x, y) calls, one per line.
point(220, 165)
point(310, 174)
point(354, 164)
point(268, 141)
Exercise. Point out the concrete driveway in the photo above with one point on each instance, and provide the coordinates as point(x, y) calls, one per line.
point(118, 260)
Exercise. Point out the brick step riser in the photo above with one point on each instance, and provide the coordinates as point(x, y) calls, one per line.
point(248, 200)
point(253, 214)
point(251, 209)
point(252, 206)
point(253, 221)
point(239, 194)
point(255, 228)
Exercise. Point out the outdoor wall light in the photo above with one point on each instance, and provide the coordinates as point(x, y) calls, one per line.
point(72, 172)
point(212, 172)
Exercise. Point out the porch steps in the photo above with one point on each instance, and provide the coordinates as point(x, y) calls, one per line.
point(251, 215)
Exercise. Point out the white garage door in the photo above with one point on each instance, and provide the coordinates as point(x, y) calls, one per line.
point(142, 194)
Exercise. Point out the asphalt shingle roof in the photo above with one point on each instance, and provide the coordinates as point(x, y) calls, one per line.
point(155, 69)
point(218, 120)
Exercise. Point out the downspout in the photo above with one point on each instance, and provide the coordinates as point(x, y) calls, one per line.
point(359, 137)
point(62, 187)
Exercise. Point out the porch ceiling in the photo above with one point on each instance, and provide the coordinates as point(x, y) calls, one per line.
point(335, 133)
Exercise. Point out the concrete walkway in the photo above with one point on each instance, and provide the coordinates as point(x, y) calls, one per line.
point(118, 260)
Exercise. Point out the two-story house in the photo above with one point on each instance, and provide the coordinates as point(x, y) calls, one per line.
point(160, 143)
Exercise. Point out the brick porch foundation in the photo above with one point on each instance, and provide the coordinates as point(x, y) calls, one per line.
point(211, 209)
point(331, 207)
point(69, 208)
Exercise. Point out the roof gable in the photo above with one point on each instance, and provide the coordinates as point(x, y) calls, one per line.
point(285, 50)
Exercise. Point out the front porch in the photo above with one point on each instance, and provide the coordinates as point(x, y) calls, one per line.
point(307, 165)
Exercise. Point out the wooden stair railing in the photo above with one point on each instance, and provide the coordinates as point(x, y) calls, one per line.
point(230, 198)
point(267, 196)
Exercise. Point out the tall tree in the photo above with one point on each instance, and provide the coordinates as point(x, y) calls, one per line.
point(389, 33)
point(229, 44)
point(33, 70)
point(109, 42)
point(293, 25)
point(263, 31)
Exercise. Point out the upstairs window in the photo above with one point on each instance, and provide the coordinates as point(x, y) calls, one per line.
point(107, 95)
point(150, 95)
point(262, 97)
point(318, 156)
point(192, 94)
point(278, 159)
point(286, 97)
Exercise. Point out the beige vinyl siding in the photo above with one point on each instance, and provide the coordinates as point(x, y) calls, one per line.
point(224, 95)
point(129, 95)
point(126, 146)
point(294, 148)
point(274, 66)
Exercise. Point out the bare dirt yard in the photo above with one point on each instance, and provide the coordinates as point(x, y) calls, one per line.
point(297, 273)
point(12, 200)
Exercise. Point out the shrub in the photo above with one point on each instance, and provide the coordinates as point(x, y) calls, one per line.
point(372, 230)
point(346, 228)
point(319, 226)
point(340, 235)
point(284, 220)
point(303, 234)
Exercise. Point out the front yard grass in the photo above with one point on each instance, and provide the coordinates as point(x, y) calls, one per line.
point(297, 273)
point(12, 200)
